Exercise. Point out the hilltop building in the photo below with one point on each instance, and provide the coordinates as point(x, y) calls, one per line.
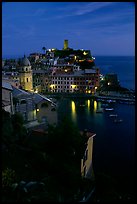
point(65, 44)
point(65, 70)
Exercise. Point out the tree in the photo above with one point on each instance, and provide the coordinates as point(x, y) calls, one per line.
point(7, 128)
point(19, 131)
point(86, 65)
point(44, 49)
point(65, 147)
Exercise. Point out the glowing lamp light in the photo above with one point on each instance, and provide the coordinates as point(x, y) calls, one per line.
point(37, 109)
point(96, 87)
point(85, 53)
point(73, 86)
point(52, 86)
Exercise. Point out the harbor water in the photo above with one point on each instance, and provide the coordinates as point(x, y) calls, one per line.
point(114, 143)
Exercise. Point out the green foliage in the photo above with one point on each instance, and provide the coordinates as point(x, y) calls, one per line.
point(57, 163)
point(17, 119)
point(19, 131)
point(65, 148)
point(12, 128)
point(7, 128)
point(86, 65)
point(8, 177)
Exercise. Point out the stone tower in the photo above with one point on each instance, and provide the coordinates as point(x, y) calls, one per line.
point(65, 44)
point(25, 75)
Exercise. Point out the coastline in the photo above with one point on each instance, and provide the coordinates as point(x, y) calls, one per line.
point(120, 97)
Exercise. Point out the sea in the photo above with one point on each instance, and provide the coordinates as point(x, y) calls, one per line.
point(114, 143)
point(123, 66)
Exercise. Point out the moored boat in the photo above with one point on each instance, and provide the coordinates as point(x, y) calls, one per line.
point(113, 115)
point(99, 111)
point(109, 109)
point(118, 120)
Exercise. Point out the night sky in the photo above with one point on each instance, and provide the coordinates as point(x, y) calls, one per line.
point(105, 28)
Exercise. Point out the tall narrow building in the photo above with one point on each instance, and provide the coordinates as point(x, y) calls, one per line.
point(25, 75)
point(65, 44)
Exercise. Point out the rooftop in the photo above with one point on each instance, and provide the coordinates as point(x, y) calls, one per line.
point(17, 92)
point(6, 85)
point(90, 71)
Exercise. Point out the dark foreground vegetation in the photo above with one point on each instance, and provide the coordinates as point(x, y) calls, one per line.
point(41, 165)
point(44, 166)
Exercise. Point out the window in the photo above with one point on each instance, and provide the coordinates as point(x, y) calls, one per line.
point(44, 105)
point(23, 101)
point(27, 79)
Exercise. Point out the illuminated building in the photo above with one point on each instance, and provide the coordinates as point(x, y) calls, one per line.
point(82, 81)
point(86, 161)
point(25, 75)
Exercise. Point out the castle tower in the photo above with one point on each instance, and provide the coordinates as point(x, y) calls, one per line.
point(25, 75)
point(65, 44)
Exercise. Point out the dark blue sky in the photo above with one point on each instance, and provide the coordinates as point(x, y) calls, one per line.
point(105, 28)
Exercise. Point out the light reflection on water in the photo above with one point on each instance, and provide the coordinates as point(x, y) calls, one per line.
point(73, 111)
point(114, 143)
point(95, 106)
point(88, 107)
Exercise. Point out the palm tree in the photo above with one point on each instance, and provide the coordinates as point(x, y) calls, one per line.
point(44, 49)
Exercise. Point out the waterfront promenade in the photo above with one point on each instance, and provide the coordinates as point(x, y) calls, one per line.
point(118, 97)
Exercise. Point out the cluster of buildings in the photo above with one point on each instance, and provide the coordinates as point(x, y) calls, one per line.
point(50, 73)
point(24, 83)
point(55, 71)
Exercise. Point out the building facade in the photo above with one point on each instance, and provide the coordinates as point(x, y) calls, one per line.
point(7, 97)
point(25, 75)
point(86, 161)
point(82, 81)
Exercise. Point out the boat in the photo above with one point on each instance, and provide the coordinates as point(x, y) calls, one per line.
point(104, 105)
point(113, 115)
point(99, 111)
point(111, 101)
point(118, 120)
point(109, 109)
